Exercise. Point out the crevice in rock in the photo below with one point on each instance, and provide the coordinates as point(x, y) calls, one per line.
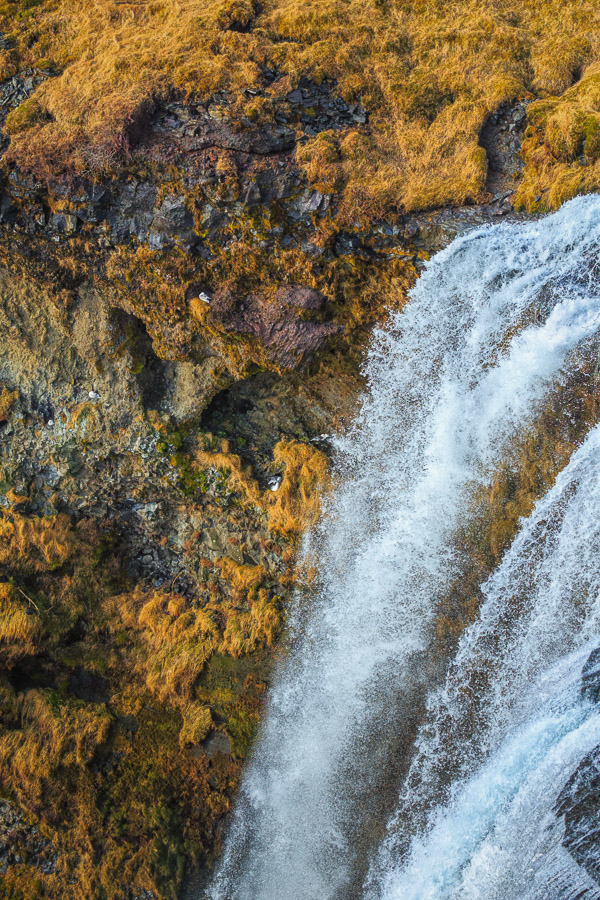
point(501, 137)
point(153, 375)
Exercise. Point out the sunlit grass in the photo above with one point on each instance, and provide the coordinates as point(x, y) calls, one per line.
point(427, 72)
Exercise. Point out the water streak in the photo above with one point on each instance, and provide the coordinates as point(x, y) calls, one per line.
point(510, 724)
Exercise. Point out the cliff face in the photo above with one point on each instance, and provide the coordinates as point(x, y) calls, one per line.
point(161, 386)
point(189, 277)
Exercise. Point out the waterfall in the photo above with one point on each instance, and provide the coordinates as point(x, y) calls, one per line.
point(512, 746)
point(493, 324)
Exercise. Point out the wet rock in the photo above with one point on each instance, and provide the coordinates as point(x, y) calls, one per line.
point(590, 677)
point(217, 742)
point(501, 139)
point(579, 803)
point(579, 800)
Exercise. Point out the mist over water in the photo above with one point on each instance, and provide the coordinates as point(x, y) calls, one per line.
point(492, 325)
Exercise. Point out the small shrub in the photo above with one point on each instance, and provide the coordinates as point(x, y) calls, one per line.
point(25, 116)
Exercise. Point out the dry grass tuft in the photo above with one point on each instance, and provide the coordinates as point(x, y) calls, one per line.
point(296, 505)
point(242, 579)
point(20, 631)
point(177, 640)
point(197, 722)
point(54, 735)
point(253, 628)
point(239, 478)
point(251, 615)
point(35, 545)
point(562, 146)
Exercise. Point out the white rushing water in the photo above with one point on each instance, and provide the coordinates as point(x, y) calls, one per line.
point(490, 327)
point(510, 724)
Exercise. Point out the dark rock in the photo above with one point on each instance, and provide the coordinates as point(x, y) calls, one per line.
point(173, 223)
point(15, 90)
point(299, 297)
point(21, 843)
point(132, 212)
point(63, 223)
point(590, 677)
point(579, 800)
point(501, 139)
point(217, 742)
point(579, 803)
point(89, 686)
point(220, 134)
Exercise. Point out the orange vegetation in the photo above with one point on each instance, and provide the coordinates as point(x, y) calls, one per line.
point(427, 72)
point(296, 505)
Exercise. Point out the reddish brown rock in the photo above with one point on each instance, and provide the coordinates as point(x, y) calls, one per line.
point(279, 322)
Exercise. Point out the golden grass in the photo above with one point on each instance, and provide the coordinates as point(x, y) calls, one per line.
point(35, 545)
point(37, 554)
point(197, 722)
point(51, 736)
point(177, 640)
point(257, 627)
point(239, 478)
point(242, 579)
point(19, 630)
point(114, 784)
point(114, 57)
point(428, 72)
point(296, 505)
point(562, 146)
